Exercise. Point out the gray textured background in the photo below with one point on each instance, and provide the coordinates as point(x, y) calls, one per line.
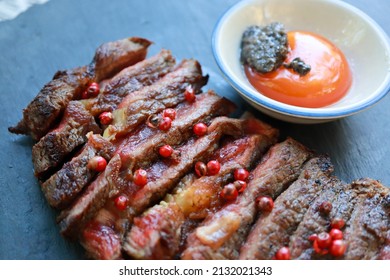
point(64, 33)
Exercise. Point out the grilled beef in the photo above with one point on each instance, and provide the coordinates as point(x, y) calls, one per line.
point(139, 148)
point(112, 57)
point(132, 78)
point(339, 196)
point(52, 149)
point(43, 112)
point(222, 234)
point(191, 222)
point(167, 92)
point(163, 176)
point(74, 128)
point(193, 199)
point(368, 228)
point(273, 230)
point(205, 106)
point(64, 186)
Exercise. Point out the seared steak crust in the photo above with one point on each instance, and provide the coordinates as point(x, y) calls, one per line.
point(128, 80)
point(52, 149)
point(112, 57)
point(228, 228)
point(64, 186)
point(43, 112)
point(273, 230)
point(368, 229)
point(132, 78)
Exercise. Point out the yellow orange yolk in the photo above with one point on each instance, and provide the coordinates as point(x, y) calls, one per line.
point(327, 82)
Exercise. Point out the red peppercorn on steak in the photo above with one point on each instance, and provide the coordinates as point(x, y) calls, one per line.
point(141, 163)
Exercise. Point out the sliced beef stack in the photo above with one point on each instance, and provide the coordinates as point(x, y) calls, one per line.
point(168, 186)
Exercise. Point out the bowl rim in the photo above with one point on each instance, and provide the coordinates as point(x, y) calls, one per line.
point(296, 111)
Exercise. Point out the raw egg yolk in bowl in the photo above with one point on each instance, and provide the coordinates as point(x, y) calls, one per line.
point(327, 82)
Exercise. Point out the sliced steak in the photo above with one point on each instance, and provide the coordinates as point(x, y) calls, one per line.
point(62, 188)
point(132, 78)
point(319, 217)
point(136, 107)
point(368, 229)
point(43, 112)
point(221, 235)
point(112, 57)
point(195, 199)
point(163, 176)
point(140, 148)
point(144, 143)
point(72, 130)
point(51, 149)
point(273, 230)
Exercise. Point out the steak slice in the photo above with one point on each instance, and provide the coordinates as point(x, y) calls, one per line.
point(163, 176)
point(273, 230)
point(368, 229)
point(337, 194)
point(221, 235)
point(140, 148)
point(192, 199)
point(72, 130)
point(141, 144)
point(112, 57)
point(62, 188)
point(132, 78)
point(167, 92)
point(43, 112)
point(52, 149)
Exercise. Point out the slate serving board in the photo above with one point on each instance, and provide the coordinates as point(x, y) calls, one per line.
point(64, 33)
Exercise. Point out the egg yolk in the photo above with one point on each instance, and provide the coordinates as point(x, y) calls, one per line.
point(327, 82)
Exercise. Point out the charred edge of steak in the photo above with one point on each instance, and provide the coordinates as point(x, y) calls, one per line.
point(114, 56)
point(280, 166)
point(49, 104)
point(57, 144)
point(132, 78)
point(367, 230)
point(72, 129)
point(62, 188)
point(43, 112)
point(273, 230)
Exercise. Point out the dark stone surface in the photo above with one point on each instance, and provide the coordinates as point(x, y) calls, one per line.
point(64, 33)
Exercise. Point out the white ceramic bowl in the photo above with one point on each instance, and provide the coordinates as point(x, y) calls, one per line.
point(364, 43)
